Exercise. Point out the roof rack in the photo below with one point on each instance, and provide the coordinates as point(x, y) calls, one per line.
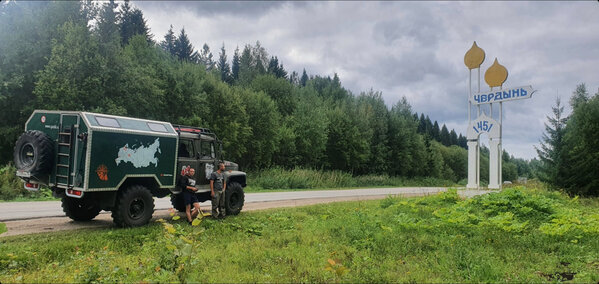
point(194, 130)
point(191, 129)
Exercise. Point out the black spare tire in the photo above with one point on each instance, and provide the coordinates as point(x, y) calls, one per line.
point(34, 153)
point(234, 198)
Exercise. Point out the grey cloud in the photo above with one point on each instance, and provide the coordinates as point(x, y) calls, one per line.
point(413, 49)
point(212, 8)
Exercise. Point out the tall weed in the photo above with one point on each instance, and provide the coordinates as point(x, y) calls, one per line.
point(300, 178)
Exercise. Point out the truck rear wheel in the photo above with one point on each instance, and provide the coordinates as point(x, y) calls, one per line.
point(79, 209)
point(134, 207)
point(34, 152)
point(234, 198)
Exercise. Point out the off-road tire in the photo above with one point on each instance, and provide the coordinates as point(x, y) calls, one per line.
point(79, 209)
point(234, 198)
point(34, 153)
point(178, 202)
point(134, 207)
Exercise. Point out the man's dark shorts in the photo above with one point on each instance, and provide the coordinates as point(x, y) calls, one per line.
point(189, 197)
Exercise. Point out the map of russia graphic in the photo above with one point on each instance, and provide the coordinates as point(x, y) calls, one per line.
point(141, 156)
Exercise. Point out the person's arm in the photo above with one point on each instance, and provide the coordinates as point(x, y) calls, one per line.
point(224, 183)
point(212, 187)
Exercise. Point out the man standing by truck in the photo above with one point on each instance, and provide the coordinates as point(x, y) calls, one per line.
point(188, 188)
point(217, 188)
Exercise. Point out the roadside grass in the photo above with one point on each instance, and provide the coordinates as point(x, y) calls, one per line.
point(279, 179)
point(517, 235)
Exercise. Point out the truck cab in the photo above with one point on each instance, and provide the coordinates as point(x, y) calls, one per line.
point(200, 149)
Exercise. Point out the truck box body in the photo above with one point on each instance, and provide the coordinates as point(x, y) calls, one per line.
point(98, 152)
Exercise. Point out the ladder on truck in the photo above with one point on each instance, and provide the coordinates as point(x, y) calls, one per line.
point(66, 132)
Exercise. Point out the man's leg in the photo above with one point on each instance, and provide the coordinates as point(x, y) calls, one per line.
point(221, 205)
point(188, 212)
point(215, 205)
point(195, 213)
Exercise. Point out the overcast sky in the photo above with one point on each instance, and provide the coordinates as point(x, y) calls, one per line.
point(413, 49)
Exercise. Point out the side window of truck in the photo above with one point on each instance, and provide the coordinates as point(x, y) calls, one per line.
point(186, 148)
point(207, 149)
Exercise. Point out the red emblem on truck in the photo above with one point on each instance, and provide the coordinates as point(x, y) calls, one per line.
point(102, 172)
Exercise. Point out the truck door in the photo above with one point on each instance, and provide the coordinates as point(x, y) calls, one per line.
point(187, 157)
point(207, 160)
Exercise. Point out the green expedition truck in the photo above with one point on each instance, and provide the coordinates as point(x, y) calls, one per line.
point(96, 162)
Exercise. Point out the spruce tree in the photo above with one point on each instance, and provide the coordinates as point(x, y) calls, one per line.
point(223, 66)
point(436, 132)
point(106, 27)
point(304, 78)
point(168, 44)
point(428, 127)
point(550, 151)
point(453, 138)
point(580, 96)
point(273, 64)
point(580, 173)
point(132, 23)
point(444, 136)
point(235, 65)
point(422, 124)
point(183, 48)
point(246, 68)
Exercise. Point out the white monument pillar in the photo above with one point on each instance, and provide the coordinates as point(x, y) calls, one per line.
point(473, 166)
point(494, 163)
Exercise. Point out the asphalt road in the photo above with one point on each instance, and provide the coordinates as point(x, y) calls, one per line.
point(45, 216)
point(39, 209)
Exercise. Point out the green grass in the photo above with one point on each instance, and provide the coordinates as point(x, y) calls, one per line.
point(278, 179)
point(518, 235)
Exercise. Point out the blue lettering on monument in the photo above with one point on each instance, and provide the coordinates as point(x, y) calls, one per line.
point(483, 126)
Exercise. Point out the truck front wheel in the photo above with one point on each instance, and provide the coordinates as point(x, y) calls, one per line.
point(134, 207)
point(79, 209)
point(234, 198)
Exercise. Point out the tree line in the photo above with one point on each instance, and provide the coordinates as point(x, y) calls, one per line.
point(569, 149)
point(102, 58)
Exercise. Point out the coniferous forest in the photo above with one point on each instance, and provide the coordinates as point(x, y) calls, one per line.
point(102, 57)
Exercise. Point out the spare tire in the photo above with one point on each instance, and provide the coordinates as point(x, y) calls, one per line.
point(34, 153)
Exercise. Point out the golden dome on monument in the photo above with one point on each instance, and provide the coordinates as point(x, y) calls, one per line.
point(474, 57)
point(496, 75)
